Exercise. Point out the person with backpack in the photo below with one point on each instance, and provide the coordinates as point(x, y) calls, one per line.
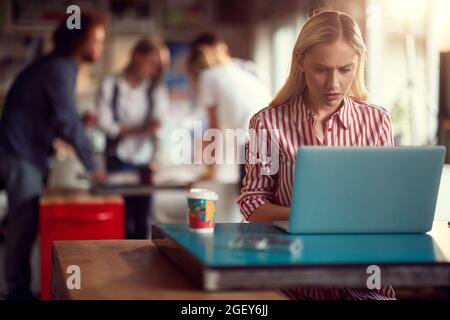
point(130, 108)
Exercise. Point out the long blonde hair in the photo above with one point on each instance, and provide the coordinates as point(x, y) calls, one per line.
point(324, 27)
point(155, 45)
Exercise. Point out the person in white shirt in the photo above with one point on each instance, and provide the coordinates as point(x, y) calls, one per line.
point(130, 108)
point(231, 92)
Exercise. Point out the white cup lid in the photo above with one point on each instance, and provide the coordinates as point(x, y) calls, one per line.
point(202, 194)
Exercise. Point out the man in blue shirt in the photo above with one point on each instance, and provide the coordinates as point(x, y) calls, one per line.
point(40, 106)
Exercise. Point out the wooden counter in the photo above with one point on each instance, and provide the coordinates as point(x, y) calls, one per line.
point(74, 196)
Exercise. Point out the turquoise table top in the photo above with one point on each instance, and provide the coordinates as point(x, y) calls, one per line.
point(214, 250)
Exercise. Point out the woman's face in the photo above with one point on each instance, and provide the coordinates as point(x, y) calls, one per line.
point(146, 65)
point(329, 70)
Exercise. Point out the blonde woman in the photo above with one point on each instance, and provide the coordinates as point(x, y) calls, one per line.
point(322, 103)
point(130, 108)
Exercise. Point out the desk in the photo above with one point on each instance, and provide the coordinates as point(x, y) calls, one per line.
point(405, 260)
point(127, 269)
point(130, 269)
point(131, 184)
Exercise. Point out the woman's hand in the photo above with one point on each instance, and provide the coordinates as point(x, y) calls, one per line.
point(153, 165)
point(270, 212)
point(149, 127)
point(152, 126)
point(99, 176)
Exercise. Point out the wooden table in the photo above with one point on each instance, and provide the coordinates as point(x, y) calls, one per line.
point(130, 269)
point(134, 269)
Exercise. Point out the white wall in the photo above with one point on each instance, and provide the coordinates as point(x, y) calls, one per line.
point(391, 60)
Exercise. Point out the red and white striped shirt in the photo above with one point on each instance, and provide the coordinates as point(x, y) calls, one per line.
point(356, 123)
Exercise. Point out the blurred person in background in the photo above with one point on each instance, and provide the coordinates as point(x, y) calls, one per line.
point(213, 41)
point(39, 107)
point(230, 91)
point(130, 109)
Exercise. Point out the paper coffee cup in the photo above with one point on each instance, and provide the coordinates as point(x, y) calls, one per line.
point(202, 210)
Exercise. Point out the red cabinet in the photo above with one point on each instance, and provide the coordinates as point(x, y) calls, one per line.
point(76, 217)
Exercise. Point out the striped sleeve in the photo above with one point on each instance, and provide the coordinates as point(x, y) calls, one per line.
point(258, 186)
point(386, 138)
